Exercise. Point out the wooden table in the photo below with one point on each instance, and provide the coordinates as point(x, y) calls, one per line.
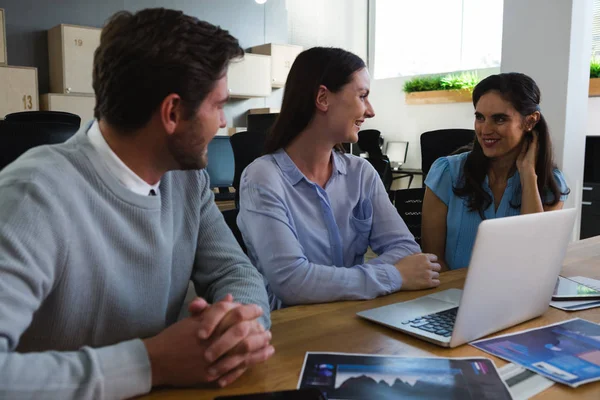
point(334, 327)
point(225, 205)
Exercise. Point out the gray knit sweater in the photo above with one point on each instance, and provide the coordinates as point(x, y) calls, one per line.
point(88, 267)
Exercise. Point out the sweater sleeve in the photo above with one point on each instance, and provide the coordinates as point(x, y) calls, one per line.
point(221, 267)
point(34, 240)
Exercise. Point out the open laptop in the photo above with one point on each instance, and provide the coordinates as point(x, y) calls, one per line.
point(396, 152)
point(512, 274)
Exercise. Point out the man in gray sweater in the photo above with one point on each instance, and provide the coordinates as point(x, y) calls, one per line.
point(100, 236)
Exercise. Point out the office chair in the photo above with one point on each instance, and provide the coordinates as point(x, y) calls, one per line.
point(370, 140)
point(247, 146)
point(22, 131)
point(441, 143)
point(409, 203)
point(261, 122)
point(230, 217)
point(44, 116)
point(220, 167)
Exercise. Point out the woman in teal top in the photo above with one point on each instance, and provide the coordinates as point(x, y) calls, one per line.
point(509, 170)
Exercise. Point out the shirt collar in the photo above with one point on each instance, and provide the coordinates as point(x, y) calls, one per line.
point(116, 166)
point(294, 175)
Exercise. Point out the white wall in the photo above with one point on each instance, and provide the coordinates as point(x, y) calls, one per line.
point(555, 52)
point(593, 119)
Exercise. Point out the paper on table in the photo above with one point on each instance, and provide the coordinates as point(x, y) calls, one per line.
point(581, 304)
point(523, 383)
point(351, 376)
point(567, 352)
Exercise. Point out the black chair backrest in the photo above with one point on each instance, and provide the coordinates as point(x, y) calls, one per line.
point(441, 143)
point(20, 132)
point(384, 169)
point(45, 116)
point(231, 221)
point(247, 147)
point(370, 140)
point(409, 203)
point(261, 122)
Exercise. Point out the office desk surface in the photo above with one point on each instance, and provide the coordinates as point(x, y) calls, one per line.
point(416, 171)
point(334, 327)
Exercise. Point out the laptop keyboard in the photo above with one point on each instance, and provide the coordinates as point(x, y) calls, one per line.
point(440, 323)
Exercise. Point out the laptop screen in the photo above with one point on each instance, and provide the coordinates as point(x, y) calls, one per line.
point(396, 151)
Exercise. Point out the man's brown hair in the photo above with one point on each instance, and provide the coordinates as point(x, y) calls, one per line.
point(144, 57)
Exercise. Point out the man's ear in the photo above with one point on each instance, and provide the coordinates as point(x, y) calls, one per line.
point(322, 100)
point(171, 112)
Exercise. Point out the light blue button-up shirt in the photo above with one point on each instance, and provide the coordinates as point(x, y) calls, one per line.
point(309, 243)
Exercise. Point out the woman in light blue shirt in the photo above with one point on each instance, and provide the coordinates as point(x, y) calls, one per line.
point(308, 212)
point(510, 170)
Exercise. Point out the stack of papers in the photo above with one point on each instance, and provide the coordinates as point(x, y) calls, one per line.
point(580, 304)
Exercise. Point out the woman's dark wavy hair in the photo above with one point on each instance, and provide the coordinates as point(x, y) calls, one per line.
point(327, 66)
point(523, 93)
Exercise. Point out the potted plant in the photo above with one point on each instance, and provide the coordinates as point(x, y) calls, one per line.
point(433, 89)
point(595, 77)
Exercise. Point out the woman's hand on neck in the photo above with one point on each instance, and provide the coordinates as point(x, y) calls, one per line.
point(311, 153)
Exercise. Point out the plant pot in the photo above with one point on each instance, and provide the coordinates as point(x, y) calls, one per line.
point(594, 87)
point(439, 97)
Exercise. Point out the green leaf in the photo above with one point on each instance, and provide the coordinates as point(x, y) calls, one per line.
point(461, 81)
point(595, 68)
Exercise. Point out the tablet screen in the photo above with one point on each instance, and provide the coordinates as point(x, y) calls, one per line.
point(570, 289)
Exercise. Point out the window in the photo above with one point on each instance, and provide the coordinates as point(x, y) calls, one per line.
point(310, 24)
point(596, 30)
point(435, 36)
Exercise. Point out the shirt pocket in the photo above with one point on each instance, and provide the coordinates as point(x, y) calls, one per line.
point(361, 221)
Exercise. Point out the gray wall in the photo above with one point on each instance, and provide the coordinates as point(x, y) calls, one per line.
point(27, 22)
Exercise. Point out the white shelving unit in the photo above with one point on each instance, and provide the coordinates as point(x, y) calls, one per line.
point(71, 55)
point(250, 77)
point(282, 58)
point(19, 90)
point(82, 105)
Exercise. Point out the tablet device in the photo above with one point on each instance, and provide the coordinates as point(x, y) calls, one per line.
point(567, 289)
